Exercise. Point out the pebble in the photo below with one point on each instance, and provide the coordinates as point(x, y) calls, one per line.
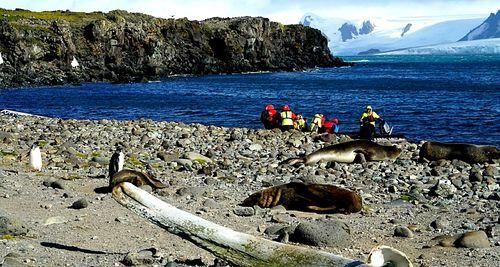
point(193, 156)
point(13, 227)
point(141, 258)
point(440, 224)
point(476, 176)
point(12, 260)
point(255, 147)
point(53, 184)
point(195, 191)
point(80, 204)
point(210, 203)
point(244, 211)
point(402, 231)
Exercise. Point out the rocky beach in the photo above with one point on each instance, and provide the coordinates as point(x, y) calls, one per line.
point(439, 213)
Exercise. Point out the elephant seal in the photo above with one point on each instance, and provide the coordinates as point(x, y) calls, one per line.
point(466, 152)
point(318, 198)
point(347, 152)
point(135, 177)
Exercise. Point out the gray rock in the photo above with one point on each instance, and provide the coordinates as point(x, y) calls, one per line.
point(490, 171)
point(440, 224)
point(167, 157)
point(193, 156)
point(53, 184)
point(473, 239)
point(493, 231)
point(12, 260)
point(273, 229)
point(322, 233)
point(13, 227)
point(80, 204)
point(101, 160)
point(443, 188)
point(143, 257)
point(283, 237)
point(186, 163)
point(235, 136)
point(244, 211)
point(6, 137)
point(195, 191)
point(476, 176)
point(281, 218)
point(210, 203)
point(255, 147)
point(402, 231)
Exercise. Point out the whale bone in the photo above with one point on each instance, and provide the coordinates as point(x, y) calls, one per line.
point(235, 247)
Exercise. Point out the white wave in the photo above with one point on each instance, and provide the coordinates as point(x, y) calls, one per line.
point(17, 113)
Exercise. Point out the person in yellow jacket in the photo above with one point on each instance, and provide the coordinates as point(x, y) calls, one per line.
point(367, 121)
point(299, 123)
point(287, 118)
point(316, 122)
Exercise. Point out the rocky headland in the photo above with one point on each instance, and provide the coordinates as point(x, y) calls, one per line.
point(440, 213)
point(59, 47)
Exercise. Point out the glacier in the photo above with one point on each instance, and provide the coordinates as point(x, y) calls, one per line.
point(483, 46)
point(387, 35)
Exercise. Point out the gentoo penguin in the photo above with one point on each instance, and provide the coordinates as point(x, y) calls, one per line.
point(35, 157)
point(116, 162)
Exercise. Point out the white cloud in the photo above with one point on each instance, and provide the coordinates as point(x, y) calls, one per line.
point(286, 11)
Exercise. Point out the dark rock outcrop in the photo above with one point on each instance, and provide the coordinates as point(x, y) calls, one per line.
point(38, 47)
point(406, 29)
point(490, 28)
point(348, 31)
point(367, 27)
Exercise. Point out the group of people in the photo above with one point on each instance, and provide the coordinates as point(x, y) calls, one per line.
point(286, 120)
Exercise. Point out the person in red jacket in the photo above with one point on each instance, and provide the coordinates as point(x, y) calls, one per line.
point(331, 126)
point(287, 117)
point(268, 117)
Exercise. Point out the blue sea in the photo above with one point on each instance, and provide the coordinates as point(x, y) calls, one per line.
point(443, 98)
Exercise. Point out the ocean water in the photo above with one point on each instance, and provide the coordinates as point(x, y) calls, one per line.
point(444, 98)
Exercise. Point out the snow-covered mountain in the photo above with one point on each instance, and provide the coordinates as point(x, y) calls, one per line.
point(483, 46)
point(490, 28)
point(375, 35)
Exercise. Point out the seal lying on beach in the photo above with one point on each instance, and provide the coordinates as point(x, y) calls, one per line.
point(136, 178)
point(467, 152)
point(347, 153)
point(319, 198)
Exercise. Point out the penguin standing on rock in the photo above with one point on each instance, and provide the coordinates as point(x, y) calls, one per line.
point(116, 162)
point(35, 157)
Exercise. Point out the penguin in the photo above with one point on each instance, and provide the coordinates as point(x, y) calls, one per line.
point(35, 157)
point(116, 162)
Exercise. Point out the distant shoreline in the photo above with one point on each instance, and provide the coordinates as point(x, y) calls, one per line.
point(63, 47)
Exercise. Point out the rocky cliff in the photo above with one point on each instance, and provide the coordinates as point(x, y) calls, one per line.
point(61, 47)
point(490, 28)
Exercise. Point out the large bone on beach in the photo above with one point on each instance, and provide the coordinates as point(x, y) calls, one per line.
point(235, 247)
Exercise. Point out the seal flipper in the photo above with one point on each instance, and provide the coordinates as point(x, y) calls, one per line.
point(367, 156)
point(330, 209)
point(135, 177)
point(155, 183)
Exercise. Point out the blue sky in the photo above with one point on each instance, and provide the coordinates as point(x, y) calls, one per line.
point(285, 11)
